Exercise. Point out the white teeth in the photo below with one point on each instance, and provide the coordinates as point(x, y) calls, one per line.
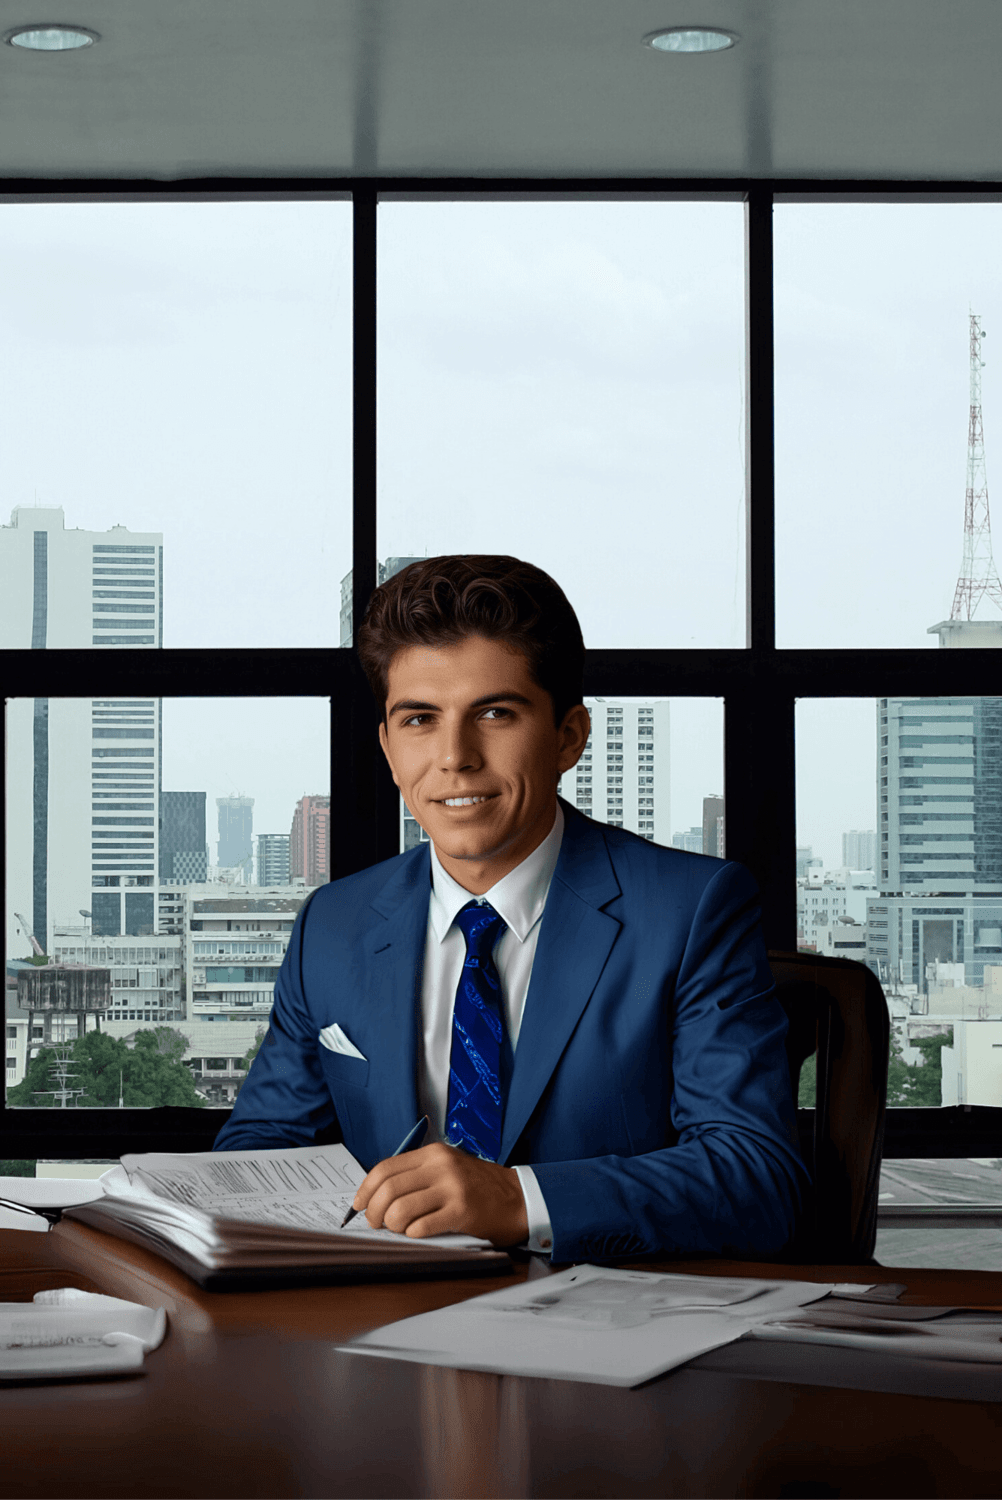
point(463, 801)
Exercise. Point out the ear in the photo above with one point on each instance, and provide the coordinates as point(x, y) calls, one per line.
point(384, 745)
point(572, 736)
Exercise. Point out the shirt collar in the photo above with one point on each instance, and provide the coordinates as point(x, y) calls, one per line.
point(519, 896)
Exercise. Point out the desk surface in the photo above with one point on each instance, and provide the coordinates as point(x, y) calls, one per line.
point(246, 1397)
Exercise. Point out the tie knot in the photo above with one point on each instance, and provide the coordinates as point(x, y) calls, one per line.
point(481, 926)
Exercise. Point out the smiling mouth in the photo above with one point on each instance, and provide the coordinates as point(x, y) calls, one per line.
point(465, 801)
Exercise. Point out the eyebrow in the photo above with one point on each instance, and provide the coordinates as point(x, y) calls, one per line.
point(413, 706)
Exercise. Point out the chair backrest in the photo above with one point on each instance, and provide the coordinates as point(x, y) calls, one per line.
point(836, 1007)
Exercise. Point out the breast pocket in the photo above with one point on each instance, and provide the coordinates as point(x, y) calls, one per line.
point(341, 1071)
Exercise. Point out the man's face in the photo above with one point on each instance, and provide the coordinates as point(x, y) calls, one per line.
point(472, 745)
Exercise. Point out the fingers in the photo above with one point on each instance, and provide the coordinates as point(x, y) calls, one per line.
point(393, 1166)
point(395, 1189)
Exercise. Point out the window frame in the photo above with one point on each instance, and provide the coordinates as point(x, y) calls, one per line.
point(758, 683)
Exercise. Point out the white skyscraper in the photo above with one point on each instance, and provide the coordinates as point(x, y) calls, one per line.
point(83, 775)
point(622, 777)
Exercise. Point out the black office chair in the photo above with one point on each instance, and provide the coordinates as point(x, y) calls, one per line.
point(836, 1007)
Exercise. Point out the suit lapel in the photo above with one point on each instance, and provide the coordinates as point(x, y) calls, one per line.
point(575, 939)
point(391, 974)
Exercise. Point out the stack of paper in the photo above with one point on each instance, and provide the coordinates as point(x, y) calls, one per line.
point(228, 1213)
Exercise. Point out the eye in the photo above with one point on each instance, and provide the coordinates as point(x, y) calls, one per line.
point(497, 713)
point(415, 719)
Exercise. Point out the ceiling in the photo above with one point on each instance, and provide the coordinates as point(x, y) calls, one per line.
point(815, 88)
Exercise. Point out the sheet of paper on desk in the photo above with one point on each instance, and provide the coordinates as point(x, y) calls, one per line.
point(72, 1333)
point(590, 1323)
point(951, 1333)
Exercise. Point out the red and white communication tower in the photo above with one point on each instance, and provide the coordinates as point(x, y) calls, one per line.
point(979, 577)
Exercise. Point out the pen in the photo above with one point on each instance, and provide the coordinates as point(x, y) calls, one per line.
point(410, 1142)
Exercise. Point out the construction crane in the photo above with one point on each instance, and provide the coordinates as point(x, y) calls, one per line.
point(979, 577)
point(39, 951)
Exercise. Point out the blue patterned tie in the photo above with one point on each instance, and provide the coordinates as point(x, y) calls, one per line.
point(476, 1097)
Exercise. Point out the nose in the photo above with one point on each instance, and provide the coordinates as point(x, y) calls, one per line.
point(458, 749)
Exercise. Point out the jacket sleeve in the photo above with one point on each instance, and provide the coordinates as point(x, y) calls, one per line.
point(733, 1182)
point(284, 1100)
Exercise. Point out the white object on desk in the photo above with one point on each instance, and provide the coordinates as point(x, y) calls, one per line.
point(590, 1323)
point(72, 1333)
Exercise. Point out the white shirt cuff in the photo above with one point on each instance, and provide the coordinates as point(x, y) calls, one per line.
point(540, 1233)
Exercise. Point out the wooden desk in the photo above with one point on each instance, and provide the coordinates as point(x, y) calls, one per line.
point(246, 1397)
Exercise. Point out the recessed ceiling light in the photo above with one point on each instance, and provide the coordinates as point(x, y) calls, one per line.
point(50, 38)
point(691, 39)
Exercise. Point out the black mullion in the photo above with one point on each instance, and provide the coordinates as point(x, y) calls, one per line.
point(760, 603)
point(308, 671)
point(760, 813)
point(852, 190)
point(363, 548)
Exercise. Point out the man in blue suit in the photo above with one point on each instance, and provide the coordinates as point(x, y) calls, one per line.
point(587, 1019)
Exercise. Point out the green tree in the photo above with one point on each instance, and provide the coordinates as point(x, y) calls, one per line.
point(808, 1093)
point(250, 1055)
point(907, 1083)
point(17, 1168)
point(150, 1074)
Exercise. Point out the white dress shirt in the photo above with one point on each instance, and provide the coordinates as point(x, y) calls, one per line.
point(519, 897)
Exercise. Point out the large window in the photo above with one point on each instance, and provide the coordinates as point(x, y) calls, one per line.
point(585, 378)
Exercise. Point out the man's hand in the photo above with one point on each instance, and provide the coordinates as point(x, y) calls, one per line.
point(440, 1188)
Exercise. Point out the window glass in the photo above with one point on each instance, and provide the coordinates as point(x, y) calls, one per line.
point(563, 381)
point(176, 386)
point(911, 1182)
point(899, 865)
point(651, 765)
point(876, 447)
point(158, 851)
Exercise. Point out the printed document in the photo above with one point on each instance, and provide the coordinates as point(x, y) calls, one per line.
point(590, 1323)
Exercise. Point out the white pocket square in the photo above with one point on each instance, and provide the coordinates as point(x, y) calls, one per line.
point(334, 1039)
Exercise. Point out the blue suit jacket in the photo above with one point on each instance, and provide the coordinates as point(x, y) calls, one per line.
point(650, 1091)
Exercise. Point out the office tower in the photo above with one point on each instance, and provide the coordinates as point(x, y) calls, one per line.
point(309, 841)
point(939, 789)
point(713, 826)
point(940, 795)
point(182, 837)
point(83, 775)
point(805, 859)
point(859, 850)
point(622, 777)
point(691, 840)
point(273, 859)
point(384, 570)
point(235, 941)
point(236, 837)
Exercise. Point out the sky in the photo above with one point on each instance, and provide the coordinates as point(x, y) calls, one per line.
point(562, 381)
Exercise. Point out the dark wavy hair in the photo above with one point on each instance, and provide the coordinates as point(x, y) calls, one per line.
point(444, 599)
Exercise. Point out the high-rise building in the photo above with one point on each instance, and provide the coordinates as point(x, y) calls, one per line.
point(83, 775)
point(384, 570)
point(182, 837)
point(939, 790)
point(940, 795)
point(235, 940)
point(859, 850)
point(236, 833)
point(691, 840)
point(713, 826)
point(273, 859)
point(622, 777)
point(309, 841)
